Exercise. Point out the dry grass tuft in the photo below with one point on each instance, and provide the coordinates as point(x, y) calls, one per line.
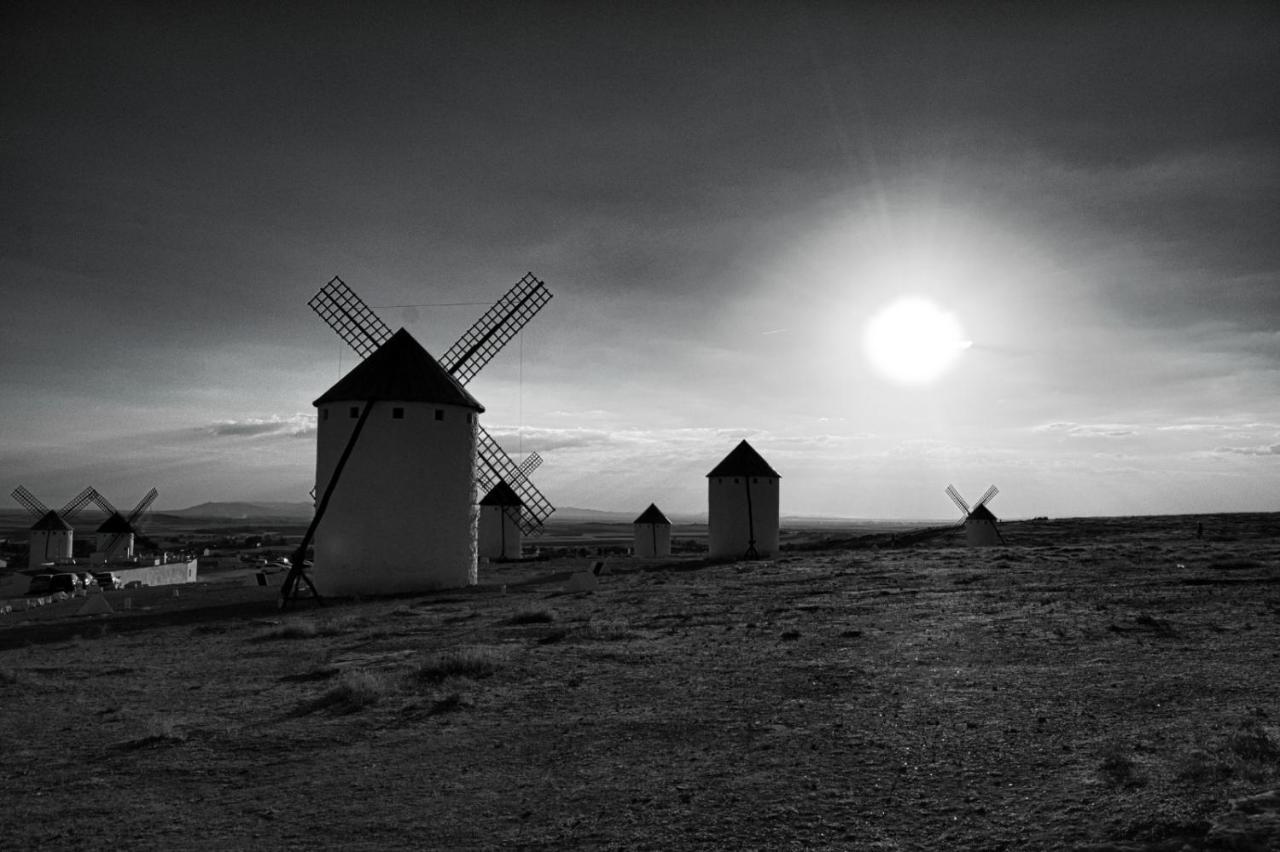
point(310, 629)
point(355, 690)
point(472, 663)
point(1118, 768)
point(161, 731)
point(451, 703)
point(609, 631)
point(10, 677)
point(1251, 743)
point(533, 616)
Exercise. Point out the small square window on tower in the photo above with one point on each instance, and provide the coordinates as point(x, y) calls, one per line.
point(355, 411)
point(397, 413)
point(439, 413)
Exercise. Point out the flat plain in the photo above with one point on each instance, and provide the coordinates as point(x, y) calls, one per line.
point(1100, 684)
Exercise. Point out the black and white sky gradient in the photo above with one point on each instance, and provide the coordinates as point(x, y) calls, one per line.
point(720, 197)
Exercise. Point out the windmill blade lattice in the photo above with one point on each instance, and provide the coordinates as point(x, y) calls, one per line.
point(486, 338)
point(987, 496)
point(78, 502)
point(531, 463)
point(30, 502)
point(103, 503)
point(496, 465)
point(348, 315)
point(957, 499)
point(143, 505)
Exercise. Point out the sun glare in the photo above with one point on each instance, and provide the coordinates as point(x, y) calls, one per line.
point(913, 341)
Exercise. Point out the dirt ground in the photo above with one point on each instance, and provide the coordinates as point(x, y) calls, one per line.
point(1102, 684)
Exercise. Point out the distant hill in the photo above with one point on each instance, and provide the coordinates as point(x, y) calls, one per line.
point(244, 511)
point(576, 514)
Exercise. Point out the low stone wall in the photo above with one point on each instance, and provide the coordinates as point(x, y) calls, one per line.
point(158, 575)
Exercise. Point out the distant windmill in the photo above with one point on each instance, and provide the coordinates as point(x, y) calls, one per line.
point(498, 532)
point(742, 506)
point(399, 369)
point(980, 528)
point(115, 535)
point(652, 533)
point(51, 535)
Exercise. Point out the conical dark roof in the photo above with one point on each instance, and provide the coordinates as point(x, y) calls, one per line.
point(400, 370)
point(115, 524)
point(652, 515)
point(51, 521)
point(981, 513)
point(743, 461)
point(501, 495)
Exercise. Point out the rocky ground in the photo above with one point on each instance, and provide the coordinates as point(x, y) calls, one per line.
point(1098, 684)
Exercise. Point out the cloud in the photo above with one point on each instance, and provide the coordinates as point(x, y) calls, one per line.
point(1272, 450)
point(295, 426)
point(1089, 430)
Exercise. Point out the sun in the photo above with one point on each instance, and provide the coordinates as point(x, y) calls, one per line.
point(913, 341)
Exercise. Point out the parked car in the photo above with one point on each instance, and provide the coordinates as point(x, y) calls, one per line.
point(108, 579)
point(86, 579)
point(67, 582)
point(40, 584)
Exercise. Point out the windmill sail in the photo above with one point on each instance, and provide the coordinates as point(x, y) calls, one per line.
point(348, 315)
point(531, 463)
point(489, 334)
point(496, 465)
point(957, 499)
point(30, 502)
point(38, 509)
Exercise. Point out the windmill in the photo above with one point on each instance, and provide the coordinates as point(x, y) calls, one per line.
point(742, 506)
point(498, 532)
point(652, 533)
point(980, 528)
point(361, 328)
point(51, 534)
point(116, 534)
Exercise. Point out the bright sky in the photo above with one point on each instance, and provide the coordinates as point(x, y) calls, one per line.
point(722, 202)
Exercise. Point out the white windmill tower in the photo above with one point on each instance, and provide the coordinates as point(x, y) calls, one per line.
point(114, 538)
point(404, 518)
point(980, 528)
point(51, 537)
point(499, 532)
point(652, 533)
point(742, 506)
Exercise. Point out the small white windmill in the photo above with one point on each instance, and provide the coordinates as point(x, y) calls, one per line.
point(980, 528)
point(115, 536)
point(51, 535)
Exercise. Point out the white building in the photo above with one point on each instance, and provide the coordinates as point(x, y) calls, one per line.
point(980, 528)
point(652, 533)
point(402, 517)
point(500, 536)
point(742, 506)
point(50, 539)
